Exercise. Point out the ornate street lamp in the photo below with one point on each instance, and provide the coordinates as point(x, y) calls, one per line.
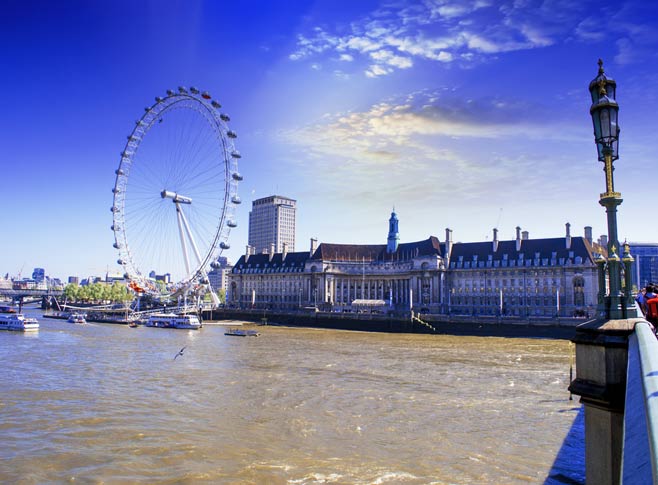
point(602, 353)
point(604, 112)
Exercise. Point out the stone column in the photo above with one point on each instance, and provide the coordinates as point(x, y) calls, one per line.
point(601, 361)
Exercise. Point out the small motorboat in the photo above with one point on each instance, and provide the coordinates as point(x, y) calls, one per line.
point(133, 325)
point(236, 332)
point(80, 318)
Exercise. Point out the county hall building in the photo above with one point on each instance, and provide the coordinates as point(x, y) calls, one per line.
point(520, 277)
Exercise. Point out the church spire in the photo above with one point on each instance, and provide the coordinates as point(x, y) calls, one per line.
point(393, 235)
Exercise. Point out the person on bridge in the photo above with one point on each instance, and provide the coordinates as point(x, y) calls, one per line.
point(652, 306)
point(641, 300)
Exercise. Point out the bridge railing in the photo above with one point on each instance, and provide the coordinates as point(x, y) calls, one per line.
point(640, 437)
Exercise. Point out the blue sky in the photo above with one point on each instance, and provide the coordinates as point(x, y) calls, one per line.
point(469, 115)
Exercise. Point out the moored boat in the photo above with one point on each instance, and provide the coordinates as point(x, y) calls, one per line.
point(18, 322)
point(7, 309)
point(186, 321)
point(77, 318)
point(235, 332)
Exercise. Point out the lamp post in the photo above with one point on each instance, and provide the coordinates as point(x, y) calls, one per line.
point(604, 112)
point(602, 343)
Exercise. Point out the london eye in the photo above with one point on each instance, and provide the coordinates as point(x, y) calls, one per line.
point(175, 193)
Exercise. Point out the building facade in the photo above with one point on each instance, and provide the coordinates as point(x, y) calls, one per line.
point(521, 277)
point(272, 224)
point(645, 266)
point(218, 276)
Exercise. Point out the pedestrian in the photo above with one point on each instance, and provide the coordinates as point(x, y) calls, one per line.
point(652, 305)
point(641, 300)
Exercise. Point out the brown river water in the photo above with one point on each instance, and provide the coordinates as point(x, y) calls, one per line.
point(103, 403)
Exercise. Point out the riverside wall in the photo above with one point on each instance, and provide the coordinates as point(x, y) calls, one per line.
point(438, 324)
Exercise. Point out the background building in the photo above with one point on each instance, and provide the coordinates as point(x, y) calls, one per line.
point(521, 277)
point(218, 276)
point(272, 222)
point(645, 267)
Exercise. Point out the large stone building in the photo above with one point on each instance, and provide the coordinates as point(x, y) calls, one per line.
point(272, 224)
point(519, 277)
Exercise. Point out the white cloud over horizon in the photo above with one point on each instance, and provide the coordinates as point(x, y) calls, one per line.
point(397, 34)
point(412, 145)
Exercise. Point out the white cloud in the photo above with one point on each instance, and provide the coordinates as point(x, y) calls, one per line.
point(377, 70)
point(425, 140)
point(465, 32)
point(389, 58)
point(626, 52)
point(442, 31)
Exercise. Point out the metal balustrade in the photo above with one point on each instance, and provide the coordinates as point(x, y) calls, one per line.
point(640, 439)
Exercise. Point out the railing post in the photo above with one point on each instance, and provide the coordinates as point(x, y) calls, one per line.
point(601, 362)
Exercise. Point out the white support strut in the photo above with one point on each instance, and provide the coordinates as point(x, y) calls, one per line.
point(213, 296)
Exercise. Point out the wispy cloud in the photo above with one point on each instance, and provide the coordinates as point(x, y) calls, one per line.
point(421, 142)
point(396, 35)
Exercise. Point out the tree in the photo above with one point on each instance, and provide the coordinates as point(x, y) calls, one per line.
point(72, 291)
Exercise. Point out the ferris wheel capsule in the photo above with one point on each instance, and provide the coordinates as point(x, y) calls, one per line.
point(194, 90)
point(206, 95)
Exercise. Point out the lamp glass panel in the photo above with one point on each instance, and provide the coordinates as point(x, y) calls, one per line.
point(594, 93)
point(611, 90)
point(597, 125)
point(604, 117)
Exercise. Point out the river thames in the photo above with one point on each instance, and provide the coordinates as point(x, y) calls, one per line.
point(103, 403)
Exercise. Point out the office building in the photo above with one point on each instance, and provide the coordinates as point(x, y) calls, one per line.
point(218, 276)
point(645, 267)
point(272, 224)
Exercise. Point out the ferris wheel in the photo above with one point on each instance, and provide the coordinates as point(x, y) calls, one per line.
point(175, 192)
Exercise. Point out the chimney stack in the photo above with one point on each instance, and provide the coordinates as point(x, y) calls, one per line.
point(588, 234)
point(525, 235)
point(518, 238)
point(568, 235)
point(284, 253)
point(448, 242)
point(495, 240)
point(314, 246)
point(272, 251)
point(603, 241)
point(247, 253)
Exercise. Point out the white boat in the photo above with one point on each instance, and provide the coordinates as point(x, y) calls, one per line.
point(77, 318)
point(18, 322)
point(187, 321)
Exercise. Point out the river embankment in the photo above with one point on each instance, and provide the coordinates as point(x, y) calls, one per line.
point(459, 325)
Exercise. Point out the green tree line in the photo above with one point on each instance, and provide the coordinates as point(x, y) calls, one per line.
point(98, 293)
